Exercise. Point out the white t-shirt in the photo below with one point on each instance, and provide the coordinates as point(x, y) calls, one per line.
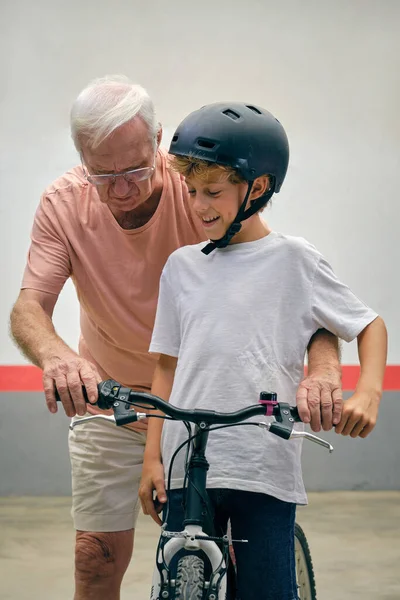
point(239, 320)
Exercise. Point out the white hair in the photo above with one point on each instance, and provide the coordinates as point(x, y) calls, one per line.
point(106, 104)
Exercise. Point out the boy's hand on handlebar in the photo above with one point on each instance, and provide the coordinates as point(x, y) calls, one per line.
point(359, 416)
point(152, 480)
point(68, 373)
point(319, 399)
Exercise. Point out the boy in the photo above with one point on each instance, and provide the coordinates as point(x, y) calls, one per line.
point(234, 317)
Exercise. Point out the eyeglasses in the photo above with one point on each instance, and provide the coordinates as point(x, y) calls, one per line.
point(133, 176)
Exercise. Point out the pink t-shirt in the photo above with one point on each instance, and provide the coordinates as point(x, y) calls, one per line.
point(116, 271)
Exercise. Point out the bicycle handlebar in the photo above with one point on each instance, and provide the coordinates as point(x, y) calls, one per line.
point(111, 391)
point(112, 394)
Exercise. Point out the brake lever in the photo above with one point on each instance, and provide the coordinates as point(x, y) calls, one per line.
point(283, 432)
point(312, 438)
point(285, 418)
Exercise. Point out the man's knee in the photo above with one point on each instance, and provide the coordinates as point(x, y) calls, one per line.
point(97, 557)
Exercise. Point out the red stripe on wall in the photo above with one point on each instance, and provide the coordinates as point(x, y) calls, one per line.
point(26, 378)
point(20, 378)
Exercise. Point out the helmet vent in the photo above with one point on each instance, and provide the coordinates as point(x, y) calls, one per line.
point(254, 109)
point(206, 144)
point(232, 114)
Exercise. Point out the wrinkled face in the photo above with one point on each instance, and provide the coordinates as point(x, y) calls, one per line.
point(216, 203)
point(128, 147)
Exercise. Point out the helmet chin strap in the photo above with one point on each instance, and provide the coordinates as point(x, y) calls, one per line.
point(242, 215)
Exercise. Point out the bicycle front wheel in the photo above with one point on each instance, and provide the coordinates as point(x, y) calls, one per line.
point(189, 583)
point(304, 567)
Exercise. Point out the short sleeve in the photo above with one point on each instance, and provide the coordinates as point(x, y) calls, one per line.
point(166, 338)
point(48, 264)
point(335, 307)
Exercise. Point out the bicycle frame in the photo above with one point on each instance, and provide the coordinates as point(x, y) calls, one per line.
point(193, 539)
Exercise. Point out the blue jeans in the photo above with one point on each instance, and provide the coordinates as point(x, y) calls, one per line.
point(266, 564)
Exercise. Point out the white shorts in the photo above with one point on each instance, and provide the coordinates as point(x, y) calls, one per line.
point(106, 466)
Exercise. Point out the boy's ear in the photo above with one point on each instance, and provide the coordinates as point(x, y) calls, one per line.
point(260, 187)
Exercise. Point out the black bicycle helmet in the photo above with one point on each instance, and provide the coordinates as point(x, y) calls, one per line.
point(242, 136)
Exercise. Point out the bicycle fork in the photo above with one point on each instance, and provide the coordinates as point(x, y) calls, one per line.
point(193, 540)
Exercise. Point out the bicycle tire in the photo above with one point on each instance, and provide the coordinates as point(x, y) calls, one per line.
point(189, 582)
point(304, 567)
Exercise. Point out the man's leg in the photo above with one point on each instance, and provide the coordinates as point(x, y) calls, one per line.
point(101, 560)
point(106, 466)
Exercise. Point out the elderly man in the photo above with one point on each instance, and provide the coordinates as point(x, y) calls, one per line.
point(110, 224)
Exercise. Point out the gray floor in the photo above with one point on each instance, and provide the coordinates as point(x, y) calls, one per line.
point(354, 538)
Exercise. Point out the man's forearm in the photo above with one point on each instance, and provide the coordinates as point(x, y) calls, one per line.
point(33, 331)
point(319, 396)
point(323, 351)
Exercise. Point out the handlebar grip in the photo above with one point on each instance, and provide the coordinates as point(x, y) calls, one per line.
point(84, 392)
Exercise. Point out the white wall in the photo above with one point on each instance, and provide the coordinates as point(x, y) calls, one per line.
point(330, 71)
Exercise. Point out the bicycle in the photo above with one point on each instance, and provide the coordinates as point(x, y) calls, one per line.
point(203, 568)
